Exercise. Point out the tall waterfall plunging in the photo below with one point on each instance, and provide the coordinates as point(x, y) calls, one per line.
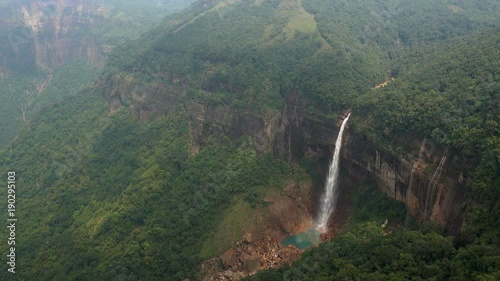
point(432, 183)
point(329, 198)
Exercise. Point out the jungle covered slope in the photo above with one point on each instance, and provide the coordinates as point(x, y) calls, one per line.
point(106, 196)
point(255, 53)
point(449, 92)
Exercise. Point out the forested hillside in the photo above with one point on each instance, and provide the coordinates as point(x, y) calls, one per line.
point(163, 161)
point(109, 197)
point(449, 92)
point(51, 49)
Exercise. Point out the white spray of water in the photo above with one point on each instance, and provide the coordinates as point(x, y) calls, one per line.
point(432, 183)
point(410, 184)
point(329, 198)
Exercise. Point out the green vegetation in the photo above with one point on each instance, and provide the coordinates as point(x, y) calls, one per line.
point(252, 59)
point(257, 54)
point(66, 81)
point(25, 87)
point(104, 196)
point(128, 19)
point(21, 96)
point(449, 92)
point(369, 204)
point(14, 93)
point(236, 219)
point(366, 251)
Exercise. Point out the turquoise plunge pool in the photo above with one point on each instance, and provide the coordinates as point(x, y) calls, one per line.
point(304, 240)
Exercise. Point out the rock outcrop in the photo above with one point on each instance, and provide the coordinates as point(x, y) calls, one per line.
point(247, 258)
point(285, 213)
point(229, 258)
point(428, 193)
point(207, 120)
point(49, 33)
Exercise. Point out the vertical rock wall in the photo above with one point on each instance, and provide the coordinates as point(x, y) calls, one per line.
point(428, 194)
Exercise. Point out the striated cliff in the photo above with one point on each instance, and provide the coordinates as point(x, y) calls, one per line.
point(57, 29)
point(430, 180)
point(50, 33)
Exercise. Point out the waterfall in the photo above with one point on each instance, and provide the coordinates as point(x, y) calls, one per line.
point(432, 183)
point(330, 196)
point(410, 183)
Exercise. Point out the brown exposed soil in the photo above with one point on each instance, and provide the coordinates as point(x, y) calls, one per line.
point(385, 83)
point(249, 257)
point(287, 212)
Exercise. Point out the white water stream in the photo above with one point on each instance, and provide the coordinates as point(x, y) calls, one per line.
point(329, 198)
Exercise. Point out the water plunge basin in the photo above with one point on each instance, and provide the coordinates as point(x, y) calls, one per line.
point(304, 240)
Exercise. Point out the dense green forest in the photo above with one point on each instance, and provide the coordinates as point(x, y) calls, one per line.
point(367, 252)
point(22, 96)
point(450, 92)
point(103, 195)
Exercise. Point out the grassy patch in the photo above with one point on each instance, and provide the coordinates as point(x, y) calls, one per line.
point(238, 219)
point(302, 21)
point(298, 18)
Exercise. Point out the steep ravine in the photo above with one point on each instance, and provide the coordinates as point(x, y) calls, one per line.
point(428, 192)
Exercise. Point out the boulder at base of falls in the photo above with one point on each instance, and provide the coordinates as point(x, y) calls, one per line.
point(247, 238)
point(228, 258)
point(251, 263)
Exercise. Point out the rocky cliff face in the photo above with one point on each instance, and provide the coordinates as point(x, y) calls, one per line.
point(49, 33)
point(57, 30)
point(430, 180)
